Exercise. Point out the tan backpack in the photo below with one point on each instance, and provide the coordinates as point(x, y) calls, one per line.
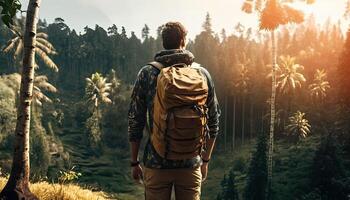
point(179, 112)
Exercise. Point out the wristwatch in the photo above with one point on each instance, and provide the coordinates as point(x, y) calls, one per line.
point(134, 164)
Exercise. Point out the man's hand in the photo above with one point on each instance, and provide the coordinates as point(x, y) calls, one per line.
point(137, 174)
point(204, 170)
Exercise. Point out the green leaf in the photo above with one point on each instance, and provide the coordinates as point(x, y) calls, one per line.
point(9, 10)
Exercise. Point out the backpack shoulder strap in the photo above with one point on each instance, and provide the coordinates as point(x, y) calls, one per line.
point(157, 65)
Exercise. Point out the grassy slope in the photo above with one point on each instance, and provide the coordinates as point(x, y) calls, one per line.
point(109, 172)
point(46, 191)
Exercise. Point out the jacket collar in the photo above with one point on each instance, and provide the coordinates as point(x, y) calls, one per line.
point(174, 56)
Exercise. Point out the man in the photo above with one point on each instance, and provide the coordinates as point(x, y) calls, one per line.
point(164, 168)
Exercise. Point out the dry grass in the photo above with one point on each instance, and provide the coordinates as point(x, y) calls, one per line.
point(48, 191)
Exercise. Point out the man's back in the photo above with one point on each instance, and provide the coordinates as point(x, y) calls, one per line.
point(142, 103)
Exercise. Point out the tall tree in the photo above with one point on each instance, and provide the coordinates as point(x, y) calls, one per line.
point(207, 26)
point(97, 92)
point(256, 186)
point(343, 81)
point(273, 13)
point(228, 188)
point(145, 32)
point(289, 77)
point(328, 178)
point(243, 86)
point(17, 186)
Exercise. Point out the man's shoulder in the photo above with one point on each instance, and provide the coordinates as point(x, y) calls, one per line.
point(146, 70)
point(202, 69)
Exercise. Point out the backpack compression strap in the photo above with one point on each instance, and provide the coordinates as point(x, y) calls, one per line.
point(157, 65)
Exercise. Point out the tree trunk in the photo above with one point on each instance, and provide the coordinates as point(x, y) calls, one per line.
point(17, 187)
point(225, 123)
point(234, 123)
point(251, 120)
point(243, 119)
point(273, 113)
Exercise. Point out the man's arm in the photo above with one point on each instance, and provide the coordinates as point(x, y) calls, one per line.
point(206, 155)
point(137, 120)
point(213, 124)
point(134, 148)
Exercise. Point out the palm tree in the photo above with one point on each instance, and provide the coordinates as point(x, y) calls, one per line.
point(43, 48)
point(319, 87)
point(298, 125)
point(289, 76)
point(272, 14)
point(40, 84)
point(17, 186)
point(97, 92)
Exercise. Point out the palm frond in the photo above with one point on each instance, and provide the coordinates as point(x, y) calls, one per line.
point(46, 59)
point(10, 45)
point(42, 35)
point(46, 43)
point(18, 49)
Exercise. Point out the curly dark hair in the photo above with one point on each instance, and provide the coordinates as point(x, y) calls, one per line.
point(173, 34)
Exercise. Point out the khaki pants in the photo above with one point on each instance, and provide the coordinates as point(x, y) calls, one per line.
point(159, 183)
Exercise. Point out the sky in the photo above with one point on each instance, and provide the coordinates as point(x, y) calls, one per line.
point(134, 14)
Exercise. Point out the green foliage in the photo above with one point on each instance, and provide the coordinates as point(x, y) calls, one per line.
point(343, 81)
point(39, 155)
point(145, 32)
point(43, 48)
point(97, 90)
point(243, 80)
point(228, 188)
point(207, 26)
point(41, 84)
point(9, 10)
point(113, 120)
point(7, 107)
point(68, 176)
point(93, 126)
point(328, 172)
point(298, 126)
point(115, 84)
point(320, 85)
point(240, 165)
point(256, 186)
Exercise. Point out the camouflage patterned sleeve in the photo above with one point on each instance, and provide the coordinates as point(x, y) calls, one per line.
point(213, 108)
point(138, 107)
